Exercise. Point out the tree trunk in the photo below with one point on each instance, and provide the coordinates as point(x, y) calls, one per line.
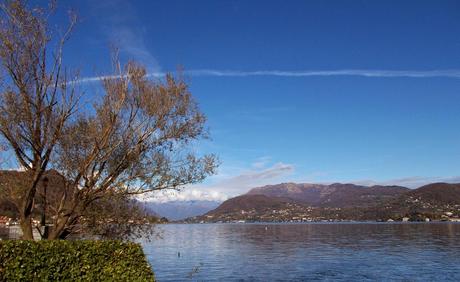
point(58, 228)
point(25, 208)
point(26, 227)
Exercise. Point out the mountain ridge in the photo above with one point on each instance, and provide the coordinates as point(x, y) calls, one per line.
point(337, 201)
point(333, 195)
point(177, 210)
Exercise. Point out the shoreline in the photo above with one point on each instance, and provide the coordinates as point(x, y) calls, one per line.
point(320, 222)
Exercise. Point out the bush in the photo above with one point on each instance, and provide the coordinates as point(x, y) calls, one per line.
point(58, 260)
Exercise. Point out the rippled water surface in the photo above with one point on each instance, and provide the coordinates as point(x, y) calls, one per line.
point(304, 252)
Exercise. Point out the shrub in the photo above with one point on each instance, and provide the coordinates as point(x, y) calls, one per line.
point(59, 260)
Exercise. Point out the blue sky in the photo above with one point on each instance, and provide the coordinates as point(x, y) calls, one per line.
point(304, 91)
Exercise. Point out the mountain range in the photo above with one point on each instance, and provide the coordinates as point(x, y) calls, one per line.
point(334, 195)
point(293, 202)
point(315, 202)
point(175, 210)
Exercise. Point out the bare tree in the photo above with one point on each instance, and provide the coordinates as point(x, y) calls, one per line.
point(138, 137)
point(136, 142)
point(118, 217)
point(35, 100)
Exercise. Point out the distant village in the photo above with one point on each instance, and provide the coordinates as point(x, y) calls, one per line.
point(298, 213)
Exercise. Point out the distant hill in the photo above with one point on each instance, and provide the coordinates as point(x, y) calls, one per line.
point(432, 200)
point(334, 195)
point(17, 179)
point(437, 193)
point(306, 193)
point(175, 210)
point(313, 202)
point(247, 202)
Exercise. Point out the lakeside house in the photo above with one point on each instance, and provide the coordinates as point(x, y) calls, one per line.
point(5, 220)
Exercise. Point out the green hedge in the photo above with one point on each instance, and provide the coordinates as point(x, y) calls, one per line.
point(58, 260)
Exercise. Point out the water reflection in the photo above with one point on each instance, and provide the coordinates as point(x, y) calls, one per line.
point(269, 252)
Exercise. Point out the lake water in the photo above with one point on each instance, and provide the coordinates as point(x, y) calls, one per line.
point(305, 252)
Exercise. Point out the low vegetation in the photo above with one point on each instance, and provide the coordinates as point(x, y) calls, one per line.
point(59, 260)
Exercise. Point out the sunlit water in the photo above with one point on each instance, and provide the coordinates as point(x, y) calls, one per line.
point(305, 252)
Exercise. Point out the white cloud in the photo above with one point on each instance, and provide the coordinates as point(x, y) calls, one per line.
point(185, 195)
point(411, 182)
point(120, 25)
point(259, 173)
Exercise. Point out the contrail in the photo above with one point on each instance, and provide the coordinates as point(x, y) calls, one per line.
point(307, 73)
point(365, 73)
